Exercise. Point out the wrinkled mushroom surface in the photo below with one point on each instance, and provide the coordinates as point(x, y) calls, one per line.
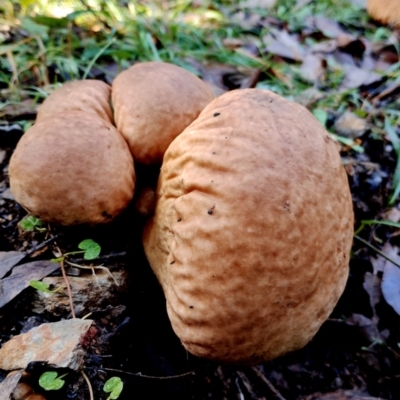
point(71, 169)
point(90, 96)
point(252, 230)
point(153, 103)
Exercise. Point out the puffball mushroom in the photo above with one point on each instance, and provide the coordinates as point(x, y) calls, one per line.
point(385, 11)
point(73, 168)
point(90, 96)
point(153, 103)
point(252, 230)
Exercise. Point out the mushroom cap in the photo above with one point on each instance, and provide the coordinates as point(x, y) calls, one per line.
point(71, 169)
point(252, 230)
point(153, 103)
point(90, 96)
point(385, 11)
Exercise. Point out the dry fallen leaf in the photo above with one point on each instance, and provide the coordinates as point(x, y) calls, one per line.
point(283, 44)
point(313, 68)
point(21, 276)
point(9, 384)
point(9, 259)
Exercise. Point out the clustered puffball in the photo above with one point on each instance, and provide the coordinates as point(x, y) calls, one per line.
point(153, 103)
point(253, 220)
point(74, 168)
point(385, 11)
point(252, 229)
point(89, 95)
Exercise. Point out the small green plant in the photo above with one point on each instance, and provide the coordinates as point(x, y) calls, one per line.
point(89, 248)
point(51, 381)
point(113, 386)
point(31, 223)
point(44, 287)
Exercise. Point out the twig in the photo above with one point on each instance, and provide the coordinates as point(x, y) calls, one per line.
point(148, 376)
point(381, 253)
point(248, 386)
point(89, 385)
point(41, 245)
point(388, 91)
point(93, 268)
point(268, 383)
point(241, 395)
point(71, 303)
point(101, 258)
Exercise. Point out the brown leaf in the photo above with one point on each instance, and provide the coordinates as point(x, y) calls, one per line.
point(350, 125)
point(21, 276)
point(14, 111)
point(282, 44)
point(9, 384)
point(313, 68)
point(367, 326)
point(372, 285)
point(356, 77)
point(328, 27)
point(8, 259)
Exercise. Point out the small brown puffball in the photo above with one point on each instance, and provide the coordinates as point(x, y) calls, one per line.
point(89, 96)
point(153, 103)
point(71, 169)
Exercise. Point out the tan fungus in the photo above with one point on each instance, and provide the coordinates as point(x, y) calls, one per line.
point(252, 230)
point(385, 11)
point(153, 103)
point(71, 169)
point(90, 96)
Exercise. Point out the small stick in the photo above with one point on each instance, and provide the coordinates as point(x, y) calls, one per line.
point(247, 384)
point(381, 253)
point(241, 395)
point(89, 385)
point(100, 258)
point(268, 383)
point(93, 268)
point(71, 303)
point(147, 376)
point(41, 245)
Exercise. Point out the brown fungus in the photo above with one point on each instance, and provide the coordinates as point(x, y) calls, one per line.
point(256, 278)
point(154, 102)
point(73, 168)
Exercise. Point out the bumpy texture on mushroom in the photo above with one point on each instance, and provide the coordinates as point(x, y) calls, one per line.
point(89, 96)
point(71, 169)
point(153, 103)
point(252, 230)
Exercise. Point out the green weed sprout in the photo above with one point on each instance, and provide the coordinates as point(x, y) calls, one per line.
point(44, 287)
point(51, 381)
point(89, 248)
point(31, 223)
point(113, 386)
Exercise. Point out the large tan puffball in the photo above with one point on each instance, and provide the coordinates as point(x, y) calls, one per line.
point(89, 96)
point(153, 103)
point(252, 230)
point(71, 169)
point(385, 11)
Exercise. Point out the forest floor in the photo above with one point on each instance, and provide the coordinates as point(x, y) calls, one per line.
point(329, 56)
